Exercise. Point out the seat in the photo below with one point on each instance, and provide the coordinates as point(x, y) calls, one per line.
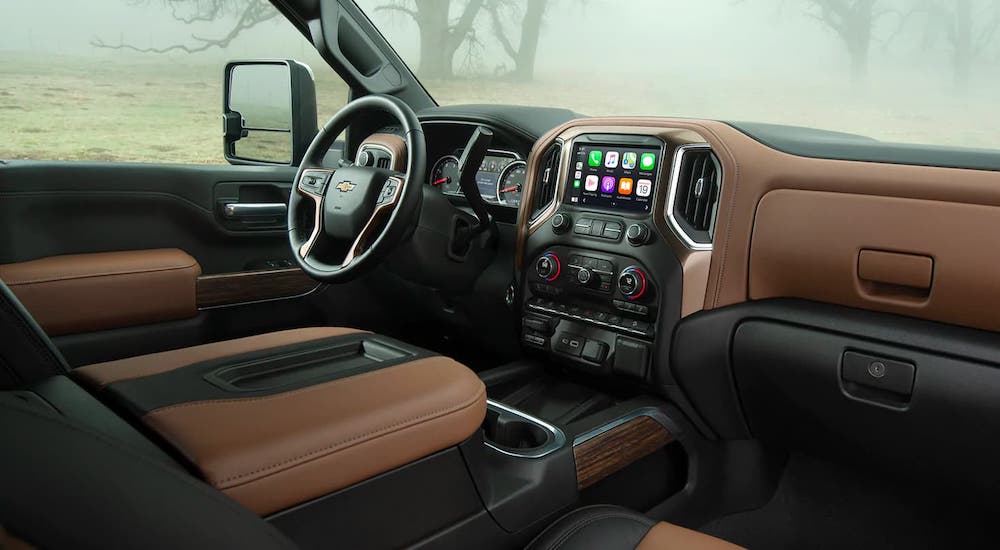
point(279, 419)
point(614, 528)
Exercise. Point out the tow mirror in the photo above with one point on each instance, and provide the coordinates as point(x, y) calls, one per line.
point(269, 112)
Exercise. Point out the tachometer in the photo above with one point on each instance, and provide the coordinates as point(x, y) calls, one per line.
point(444, 175)
point(510, 182)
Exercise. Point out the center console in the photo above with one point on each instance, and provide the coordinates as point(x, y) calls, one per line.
point(596, 291)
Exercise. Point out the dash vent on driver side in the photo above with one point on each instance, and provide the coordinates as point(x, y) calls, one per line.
point(545, 179)
point(695, 187)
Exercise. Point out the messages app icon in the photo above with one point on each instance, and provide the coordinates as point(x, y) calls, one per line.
point(647, 161)
point(594, 159)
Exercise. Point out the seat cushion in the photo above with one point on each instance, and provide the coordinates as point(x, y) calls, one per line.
point(279, 419)
point(616, 528)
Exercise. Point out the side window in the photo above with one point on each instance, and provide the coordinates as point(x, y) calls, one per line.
point(135, 80)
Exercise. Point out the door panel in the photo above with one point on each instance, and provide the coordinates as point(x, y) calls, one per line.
point(51, 208)
point(248, 284)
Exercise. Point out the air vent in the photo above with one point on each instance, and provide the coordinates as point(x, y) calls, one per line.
point(383, 161)
point(546, 180)
point(695, 185)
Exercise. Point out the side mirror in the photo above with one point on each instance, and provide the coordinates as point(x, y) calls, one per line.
point(269, 112)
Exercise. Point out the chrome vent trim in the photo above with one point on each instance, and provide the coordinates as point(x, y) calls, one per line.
point(694, 221)
point(546, 180)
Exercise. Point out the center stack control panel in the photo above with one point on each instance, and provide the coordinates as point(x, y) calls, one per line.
point(590, 297)
point(594, 308)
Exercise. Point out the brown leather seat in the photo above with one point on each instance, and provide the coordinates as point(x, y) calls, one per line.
point(615, 528)
point(278, 419)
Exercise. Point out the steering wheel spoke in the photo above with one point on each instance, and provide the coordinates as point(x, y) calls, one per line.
point(385, 201)
point(312, 185)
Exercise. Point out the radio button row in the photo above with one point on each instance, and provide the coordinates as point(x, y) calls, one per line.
point(603, 229)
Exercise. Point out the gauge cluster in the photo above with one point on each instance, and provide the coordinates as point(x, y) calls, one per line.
point(499, 178)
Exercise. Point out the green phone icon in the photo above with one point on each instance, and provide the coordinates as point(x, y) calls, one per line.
point(594, 159)
point(646, 161)
point(576, 184)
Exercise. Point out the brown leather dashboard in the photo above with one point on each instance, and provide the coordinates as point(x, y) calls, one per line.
point(914, 240)
point(88, 292)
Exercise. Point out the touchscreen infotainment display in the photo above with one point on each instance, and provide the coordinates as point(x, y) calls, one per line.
point(617, 177)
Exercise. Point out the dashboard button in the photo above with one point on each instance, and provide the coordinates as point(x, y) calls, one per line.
point(538, 324)
point(582, 227)
point(595, 351)
point(597, 228)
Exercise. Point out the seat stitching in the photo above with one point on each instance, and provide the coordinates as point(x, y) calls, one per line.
point(385, 430)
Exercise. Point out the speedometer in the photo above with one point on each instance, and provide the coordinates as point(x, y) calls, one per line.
point(510, 182)
point(444, 175)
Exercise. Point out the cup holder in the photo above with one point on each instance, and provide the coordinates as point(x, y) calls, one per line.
point(515, 433)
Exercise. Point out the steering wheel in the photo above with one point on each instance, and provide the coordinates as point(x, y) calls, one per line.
point(361, 212)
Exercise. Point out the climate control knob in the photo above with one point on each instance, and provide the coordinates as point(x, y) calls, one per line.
point(632, 282)
point(548, 267)
point(584, 276)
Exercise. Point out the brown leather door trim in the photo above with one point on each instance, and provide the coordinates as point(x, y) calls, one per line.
point(89, 292)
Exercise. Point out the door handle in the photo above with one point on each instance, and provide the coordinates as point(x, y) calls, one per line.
point(244, 210)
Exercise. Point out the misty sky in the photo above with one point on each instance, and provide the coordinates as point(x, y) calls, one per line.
point(765, 60)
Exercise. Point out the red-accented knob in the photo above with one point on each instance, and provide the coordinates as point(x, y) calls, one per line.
point(548, 266)
point(632, 282)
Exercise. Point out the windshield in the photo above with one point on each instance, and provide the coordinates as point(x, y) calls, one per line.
point(917, 71)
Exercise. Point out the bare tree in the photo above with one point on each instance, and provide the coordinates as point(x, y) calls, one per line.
point(440, 36)
point(853, 21)
point(968, 32)
point(524, 54)
point(247, 14)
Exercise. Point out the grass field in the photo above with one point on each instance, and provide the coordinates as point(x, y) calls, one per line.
point(148, 109)
point(56, 108)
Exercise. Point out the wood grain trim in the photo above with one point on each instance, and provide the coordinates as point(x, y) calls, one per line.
point(252, 286)
point(601, 456)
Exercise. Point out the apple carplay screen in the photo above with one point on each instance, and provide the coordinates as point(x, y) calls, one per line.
point(613, 177)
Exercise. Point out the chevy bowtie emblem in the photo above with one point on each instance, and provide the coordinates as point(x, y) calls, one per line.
point(345, 186)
